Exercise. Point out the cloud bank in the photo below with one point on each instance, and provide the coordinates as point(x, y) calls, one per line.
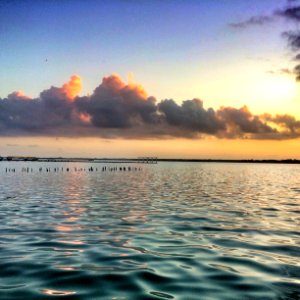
point(117, 109)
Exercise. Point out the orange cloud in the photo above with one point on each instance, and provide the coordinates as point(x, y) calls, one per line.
point(73, 87)
point(85, 118)
point(22, 95)
point(117, 108)
point(113, 82)
point(138, 89)
point(19, 95)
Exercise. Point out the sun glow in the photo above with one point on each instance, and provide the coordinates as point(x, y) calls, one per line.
point(279, 89)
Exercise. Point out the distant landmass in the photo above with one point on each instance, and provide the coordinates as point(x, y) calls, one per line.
point(145, 160)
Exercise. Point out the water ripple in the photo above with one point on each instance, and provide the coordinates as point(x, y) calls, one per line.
point(170, 231)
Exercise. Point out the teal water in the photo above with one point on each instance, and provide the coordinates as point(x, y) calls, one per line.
point(169, 231)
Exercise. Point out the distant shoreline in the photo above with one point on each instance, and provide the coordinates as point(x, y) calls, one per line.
point(149, 160)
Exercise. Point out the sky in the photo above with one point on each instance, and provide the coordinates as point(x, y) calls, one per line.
point(186, 79)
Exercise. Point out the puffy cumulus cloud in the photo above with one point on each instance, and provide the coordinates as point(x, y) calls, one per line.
point(241, 122)
point(119, 109)
point(18, 95)
point(288, 122)
point(19, 115)
point(73, 87)
point(51, 111)
point(191, 115)
point(66, 93)
point(115, 104)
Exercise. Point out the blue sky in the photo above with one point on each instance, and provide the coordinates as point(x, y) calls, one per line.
point(177, 50)
point(163, 43)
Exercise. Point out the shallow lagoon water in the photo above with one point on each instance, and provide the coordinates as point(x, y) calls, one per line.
point(169, 231)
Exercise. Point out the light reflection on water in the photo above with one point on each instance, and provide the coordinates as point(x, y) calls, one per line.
point(172, 230)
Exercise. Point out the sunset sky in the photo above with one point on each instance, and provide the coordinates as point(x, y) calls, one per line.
point(186, 79)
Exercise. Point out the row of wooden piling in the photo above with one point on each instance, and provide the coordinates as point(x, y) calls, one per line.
point(76, 169)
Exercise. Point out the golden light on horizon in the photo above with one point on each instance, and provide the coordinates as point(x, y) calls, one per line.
point(209, 147)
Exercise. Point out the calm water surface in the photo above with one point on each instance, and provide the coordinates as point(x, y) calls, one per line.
point(169, 231)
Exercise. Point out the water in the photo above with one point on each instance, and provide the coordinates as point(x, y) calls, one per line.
point(169, 231)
